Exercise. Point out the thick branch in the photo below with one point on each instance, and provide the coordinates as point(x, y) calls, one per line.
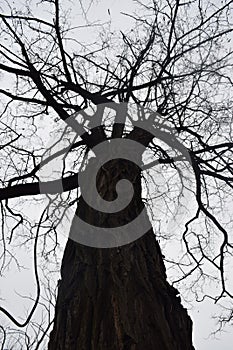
point(16, 71)
point(49, 187)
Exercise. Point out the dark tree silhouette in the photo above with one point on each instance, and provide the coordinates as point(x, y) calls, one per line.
point(173, 69)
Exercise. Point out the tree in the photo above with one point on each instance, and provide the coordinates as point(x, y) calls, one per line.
point(172, 71)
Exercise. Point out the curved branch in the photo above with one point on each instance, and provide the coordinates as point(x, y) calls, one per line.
point(3, 310)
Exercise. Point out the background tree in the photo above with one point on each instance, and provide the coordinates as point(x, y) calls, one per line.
point(177, 60)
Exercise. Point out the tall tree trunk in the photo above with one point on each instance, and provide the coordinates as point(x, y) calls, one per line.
point(118, 298)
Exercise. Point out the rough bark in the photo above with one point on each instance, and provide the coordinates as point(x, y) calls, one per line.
point(118, 298)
